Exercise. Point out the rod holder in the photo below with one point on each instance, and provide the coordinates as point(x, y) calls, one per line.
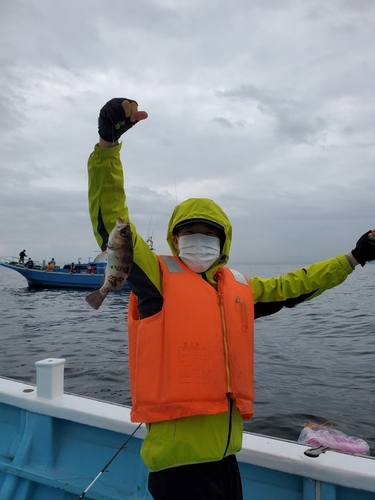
point(50, 378)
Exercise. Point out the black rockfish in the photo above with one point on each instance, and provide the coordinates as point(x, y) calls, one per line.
point(119, 261)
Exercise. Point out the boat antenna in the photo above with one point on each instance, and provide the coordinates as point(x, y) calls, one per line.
point(175, 188)
point(105, 468)
point(149, 233)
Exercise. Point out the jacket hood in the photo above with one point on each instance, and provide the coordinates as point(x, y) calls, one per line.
point(202, 208)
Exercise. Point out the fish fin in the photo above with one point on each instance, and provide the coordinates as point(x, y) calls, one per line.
point(101, 257)
point(96, 298)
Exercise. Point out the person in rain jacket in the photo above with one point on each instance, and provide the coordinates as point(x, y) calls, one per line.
point(183, 345)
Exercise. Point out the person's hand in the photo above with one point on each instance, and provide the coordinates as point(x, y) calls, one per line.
point(365, 248)
point(117, 116)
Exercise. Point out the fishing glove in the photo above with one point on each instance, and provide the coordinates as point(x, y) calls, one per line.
point(112, 121)
point(365, 249)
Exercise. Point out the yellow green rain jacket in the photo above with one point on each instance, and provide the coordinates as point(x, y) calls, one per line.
point(202, 438)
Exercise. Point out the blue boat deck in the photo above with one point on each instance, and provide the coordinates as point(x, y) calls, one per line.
point(54, 444)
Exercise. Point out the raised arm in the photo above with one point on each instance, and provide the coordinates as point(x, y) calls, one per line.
point(107, 200)
point(289, 290)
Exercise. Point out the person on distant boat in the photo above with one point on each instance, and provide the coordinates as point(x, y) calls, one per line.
point(53, 263)
point(29, 263)
point(190, 326)
point(22, 257)
point(90, 269)
point(73, 268)
point(49, 266)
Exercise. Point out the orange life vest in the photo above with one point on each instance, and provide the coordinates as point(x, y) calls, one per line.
point(198, 350)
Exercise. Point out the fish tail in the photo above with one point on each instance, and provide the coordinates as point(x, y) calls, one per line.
point(96, 298)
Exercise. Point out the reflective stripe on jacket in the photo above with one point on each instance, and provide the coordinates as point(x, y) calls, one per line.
point(198, 350)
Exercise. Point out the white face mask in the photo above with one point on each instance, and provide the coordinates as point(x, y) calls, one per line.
point(198, 251)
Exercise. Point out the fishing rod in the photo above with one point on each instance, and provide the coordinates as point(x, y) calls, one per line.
point(108, 463)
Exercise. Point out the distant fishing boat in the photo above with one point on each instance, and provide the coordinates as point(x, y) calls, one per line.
point(87, 275)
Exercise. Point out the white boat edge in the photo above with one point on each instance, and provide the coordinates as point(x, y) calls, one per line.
point(48, 398)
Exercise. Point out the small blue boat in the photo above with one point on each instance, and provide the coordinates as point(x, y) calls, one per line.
point(61, 277)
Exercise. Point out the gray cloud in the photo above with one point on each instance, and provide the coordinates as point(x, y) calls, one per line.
point(265, 107)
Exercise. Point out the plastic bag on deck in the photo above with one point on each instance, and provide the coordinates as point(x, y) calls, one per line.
point(322, 435)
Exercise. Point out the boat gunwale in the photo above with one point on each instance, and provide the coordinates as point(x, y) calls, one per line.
point(347, 470)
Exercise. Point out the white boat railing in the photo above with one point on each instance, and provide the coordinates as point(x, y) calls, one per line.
point(14, 261)
point(267, 464)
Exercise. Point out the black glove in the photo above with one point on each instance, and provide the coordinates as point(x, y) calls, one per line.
point(365, 249)
point(112, 122)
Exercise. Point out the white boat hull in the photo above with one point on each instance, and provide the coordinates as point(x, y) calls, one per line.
point(52, 446)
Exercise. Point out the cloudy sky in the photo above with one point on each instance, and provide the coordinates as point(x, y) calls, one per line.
point(265, 106)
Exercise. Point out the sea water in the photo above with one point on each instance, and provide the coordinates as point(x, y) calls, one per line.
point(313, 363)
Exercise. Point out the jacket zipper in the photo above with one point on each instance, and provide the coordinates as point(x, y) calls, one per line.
point(229, 388)
point(225, 341)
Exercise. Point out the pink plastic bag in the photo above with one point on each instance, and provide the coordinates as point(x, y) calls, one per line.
point(321, 435)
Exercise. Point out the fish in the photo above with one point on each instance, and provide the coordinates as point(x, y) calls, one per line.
point(119, 261)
